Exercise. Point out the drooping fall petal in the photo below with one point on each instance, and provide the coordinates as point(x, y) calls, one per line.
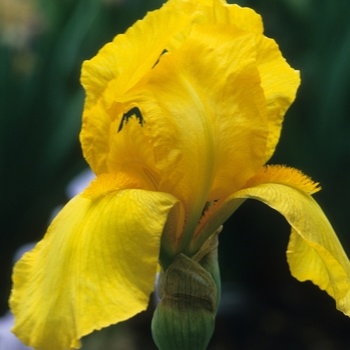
point(220, 210)
point(314, 251)
point(95, 267)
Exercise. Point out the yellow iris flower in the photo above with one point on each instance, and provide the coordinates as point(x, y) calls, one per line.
point(181, 114)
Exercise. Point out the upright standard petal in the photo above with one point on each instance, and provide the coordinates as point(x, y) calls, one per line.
point(278, 80)
point(119, 66)
point(95, 266)
point(219, 12)
point(131, 151)
point(280, 83)
point(205, 116)
point(314, 251)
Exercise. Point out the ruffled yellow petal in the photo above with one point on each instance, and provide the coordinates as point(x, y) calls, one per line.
point(280, 83)
point(218, 12)
point(205, 115)
point(314, 251)
point(243, 18)
point(278, 80)
point(130, 56)
point(118, 67)
point(131, 151)
point(95, 266)
point(215, 120)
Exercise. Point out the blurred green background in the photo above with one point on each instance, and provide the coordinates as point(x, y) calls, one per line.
point(42, 46)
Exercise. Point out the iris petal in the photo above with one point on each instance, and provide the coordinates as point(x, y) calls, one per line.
point(205, 115)
point(280, 83)
point(95, 266)
point(278, 80)
point(314, 251)
point(119, 66)
point(131, 151)
point(130, 56)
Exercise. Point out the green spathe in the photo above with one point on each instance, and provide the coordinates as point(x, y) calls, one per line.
point(190, 292)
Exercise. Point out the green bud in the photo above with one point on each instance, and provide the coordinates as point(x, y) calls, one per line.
point(185, 316)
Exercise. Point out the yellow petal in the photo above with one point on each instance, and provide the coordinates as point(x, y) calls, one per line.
point(95, 266)
point(278, 80)
point(314, 251)
point(118, 67)
point(131, 151)
point(219, 211)
point(131, 55)
point(280, 83)
point(218, 12)
point(205, 115)
point(244, 18)
point(222, 209)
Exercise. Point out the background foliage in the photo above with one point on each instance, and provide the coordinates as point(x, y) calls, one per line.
point(42, 46)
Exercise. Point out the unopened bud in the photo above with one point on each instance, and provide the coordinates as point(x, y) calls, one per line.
point(185, 316)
